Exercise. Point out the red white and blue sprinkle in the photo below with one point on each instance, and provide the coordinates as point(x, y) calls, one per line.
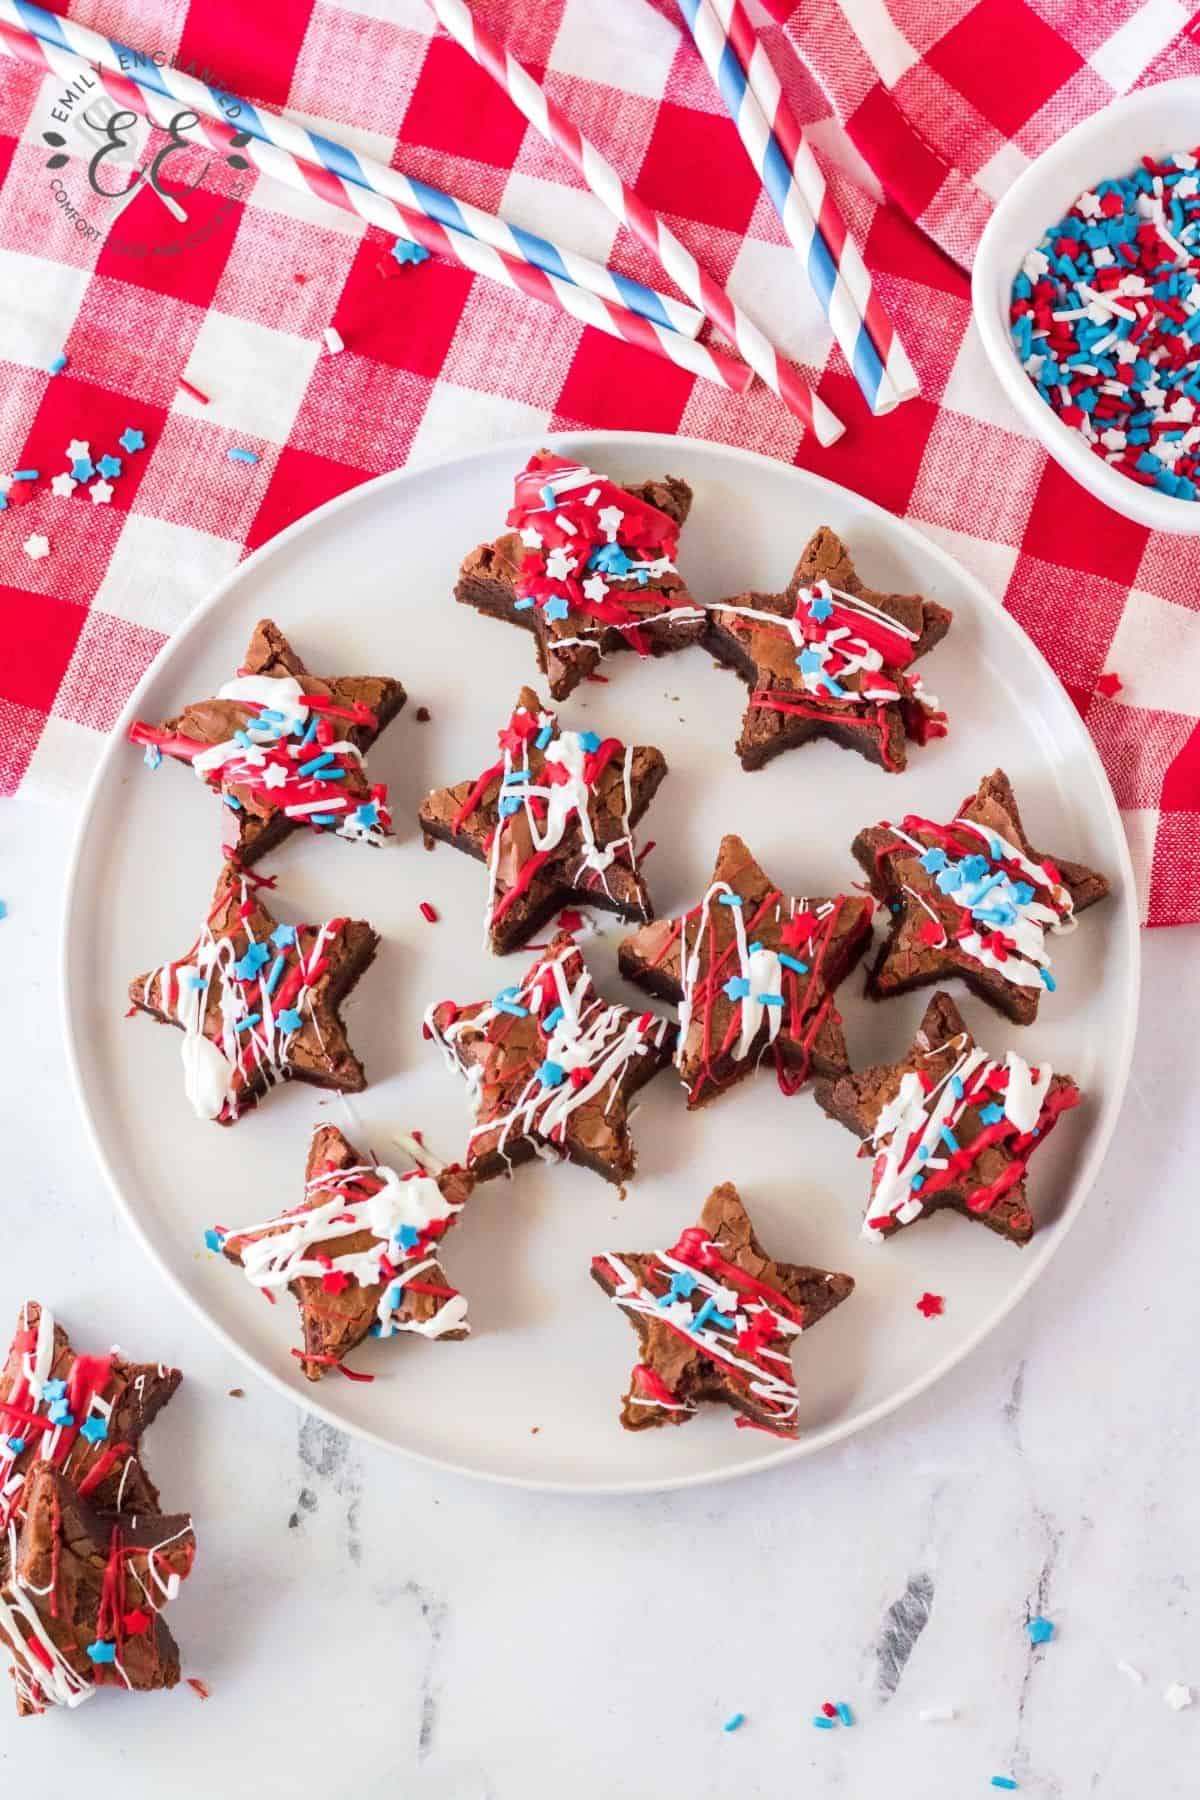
point(1040, 1630)
point(734, 1723)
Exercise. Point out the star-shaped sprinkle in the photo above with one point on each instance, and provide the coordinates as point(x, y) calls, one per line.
point(94, 1429)
point(931, 1306)
point(36, 546)
point(101, 492)
point(63, 486)
point(605, 1051)
point(785, 958)
point(273, 741)
point(553, 818)
point(692, 1350)
point(132, 1394)
point(131, 439)
point(109, 465)
point(985, 913)
point(405, 251)
point(360, 1255)
point(67, 1564)
point(1040, 1630)
point(922, 1127)
point(1109, 685)
point(83, 468)
point(830, 657)
point(242, 1036)
point(542, 573)
point(78, 450)
point(1178, 1697)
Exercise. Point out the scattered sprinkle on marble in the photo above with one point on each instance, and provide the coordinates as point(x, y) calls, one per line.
point(844, 1713)
point(822, 1723)
point(1127, 1669)
point(1177, 1696)
point(734, 1723)
point(1109, 685)
point(429, 912)
point(937, 1715)
point(3, 909)
point(36, 546)
point(1003, 1781)
point(931, 1305)
point(200, 1687)
point(1040, 1630)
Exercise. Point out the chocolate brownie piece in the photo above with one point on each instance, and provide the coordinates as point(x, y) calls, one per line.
point(85, 1414)
point(753, 972)
point(552, 1067)
point(716, 1317)
point(830, 657)
point(258, 1002)
point(972, 899)
point(553, 820)
point(946, 1126)
point(80, 1594)
point(284, 748)
point(588, 567)
point(360, 1253)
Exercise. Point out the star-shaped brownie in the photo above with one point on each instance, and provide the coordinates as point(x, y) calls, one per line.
point(360, 1253)
point(753, 971)
point(972, 898)
point(83, 1414)
point(949, 1127)
point(553, 819)
point(830, 657)
point(81, 1593)
point(588, 567)
point(257, 1002)
point(284, 748)
point(716, 1318)
point(551, 1067)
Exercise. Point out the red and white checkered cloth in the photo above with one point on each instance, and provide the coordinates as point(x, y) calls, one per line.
point(940, 103)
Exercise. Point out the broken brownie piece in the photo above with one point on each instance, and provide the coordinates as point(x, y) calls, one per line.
point(80, 1595)
point(588, 567)
point(284, 748)
point(830, 657)
point(553, 820)
point(753, 972)
point(716, 1318)
point(949, 1127)
point(360, 1253)
point(972, 898)
point(258, 1002)
point(552, 1067)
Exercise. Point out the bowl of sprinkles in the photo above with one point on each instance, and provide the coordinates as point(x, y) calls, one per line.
point(1086, 290)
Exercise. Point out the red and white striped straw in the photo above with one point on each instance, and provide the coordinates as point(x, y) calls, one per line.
point(624, 204)
point(311, 176)
point(797, 152)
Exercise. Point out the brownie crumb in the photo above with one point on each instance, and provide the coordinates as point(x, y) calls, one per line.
point(423, 715)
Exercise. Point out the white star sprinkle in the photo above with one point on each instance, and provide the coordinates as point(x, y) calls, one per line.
point(36, 546)
point(274, 775)
point(531, 537)
point(79, 450)
point(1177, 1696)
point(595, 587)
point(558, 564)
point(610, 518)
point(101, 492)
point(63, 485)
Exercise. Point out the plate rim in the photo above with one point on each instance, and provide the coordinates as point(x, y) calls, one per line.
point(824, 1437)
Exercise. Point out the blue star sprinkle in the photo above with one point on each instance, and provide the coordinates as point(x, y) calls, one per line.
point(933, 860)
point(213, 1241)
point(406, 252)
point(94, 1429)
point(1040, 1630)
point(131, 439)
point(289, 1019)
point(991, 1114)
point(109, 466)
point(556, 607)
point(819, 608)
point(83, 469)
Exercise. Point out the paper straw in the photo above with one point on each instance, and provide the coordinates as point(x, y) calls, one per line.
point(311, 148)
point(286, 166)
point(844, 262)
point(624, 204)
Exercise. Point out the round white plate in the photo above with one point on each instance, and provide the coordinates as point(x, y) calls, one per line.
point(363, 586)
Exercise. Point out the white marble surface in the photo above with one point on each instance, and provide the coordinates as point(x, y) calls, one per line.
point(369, 1627)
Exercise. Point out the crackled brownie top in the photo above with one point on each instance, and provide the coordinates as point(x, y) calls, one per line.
point(947, 1126)
point(973, 898)
point(283, 747)
point(753, 971)
point(360, 1253)
point(716, 1317)
point(588, 566)
point(257, 1001)
point(553, 819)
point(831, 657)
point(80, 1594)
point(83, 1414)
point(551, 1067)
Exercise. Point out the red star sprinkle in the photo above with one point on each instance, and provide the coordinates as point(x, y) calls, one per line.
point(931, 1305)
point(1108, 685)
point(335, 1282)
point(134, 1623)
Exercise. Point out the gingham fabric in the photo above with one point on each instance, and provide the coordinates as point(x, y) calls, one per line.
point(941, 102)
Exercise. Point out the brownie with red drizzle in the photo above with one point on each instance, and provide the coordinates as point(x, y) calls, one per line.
point(360, 1254)
point(717, 1319)
point(588, 567)
point(552, 1067)
point(81, 1593)
point(830, 657)
point(258, 1001)
point(84, 1414)
point(972, 898)
point(948, 1126)
point(284, 748)
point(553, 819)
point(753, 971)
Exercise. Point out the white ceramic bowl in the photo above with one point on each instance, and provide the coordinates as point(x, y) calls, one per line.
point(1109, 145)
